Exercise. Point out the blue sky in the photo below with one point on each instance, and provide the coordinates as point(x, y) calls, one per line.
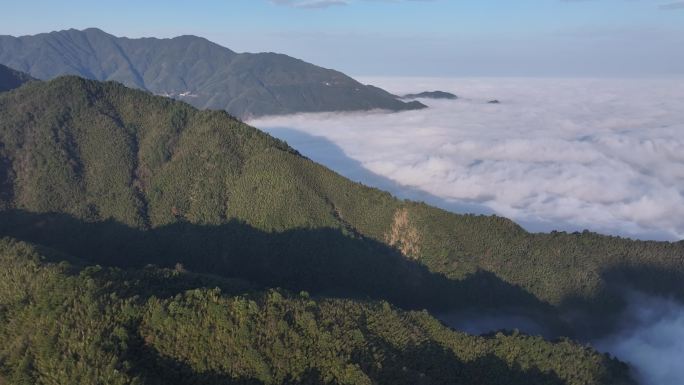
point(401, 37)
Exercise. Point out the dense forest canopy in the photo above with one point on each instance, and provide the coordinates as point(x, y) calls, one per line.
point(69, 324)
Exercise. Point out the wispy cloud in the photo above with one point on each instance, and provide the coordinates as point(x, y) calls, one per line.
point(673, 6)
point(313, 4)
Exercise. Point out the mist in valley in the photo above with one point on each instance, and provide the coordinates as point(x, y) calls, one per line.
point(648, 335)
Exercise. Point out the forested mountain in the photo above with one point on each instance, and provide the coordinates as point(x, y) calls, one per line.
point(69, 324)
point(196, 71)
point(102, 174)
point(110, 160)
point(11, 79)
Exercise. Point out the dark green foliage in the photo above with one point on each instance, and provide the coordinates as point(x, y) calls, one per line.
point(68, 324)
point(11, 79)
point(197, 71)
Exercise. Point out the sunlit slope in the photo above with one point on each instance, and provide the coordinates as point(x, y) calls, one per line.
point(148, 179)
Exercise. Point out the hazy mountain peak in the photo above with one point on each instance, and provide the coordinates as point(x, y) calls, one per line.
point(92, 30)
point(197, 71)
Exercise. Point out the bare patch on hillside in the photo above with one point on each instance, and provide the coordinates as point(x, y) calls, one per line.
point(403, 235)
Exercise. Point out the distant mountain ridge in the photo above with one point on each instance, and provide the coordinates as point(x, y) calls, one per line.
point(11, 79)
point(432, 95)
point(197, 71)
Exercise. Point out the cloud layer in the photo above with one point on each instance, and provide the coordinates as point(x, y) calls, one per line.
point(606, 155)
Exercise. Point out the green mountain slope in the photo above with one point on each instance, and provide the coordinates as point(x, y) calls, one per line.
point(197, 71)
point(11, 79)
point(70, 324)
point(121, 177)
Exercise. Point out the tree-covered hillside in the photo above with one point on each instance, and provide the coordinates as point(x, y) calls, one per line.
point(63, 323)
point(125, 178)
point(11, 79)
point(197, 71)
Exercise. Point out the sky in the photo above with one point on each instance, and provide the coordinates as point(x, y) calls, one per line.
point(545, 38)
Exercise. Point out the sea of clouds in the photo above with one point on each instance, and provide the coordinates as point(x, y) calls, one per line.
point(567, 154)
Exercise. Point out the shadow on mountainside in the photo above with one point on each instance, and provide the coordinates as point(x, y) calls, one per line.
point(322, 261)
point(593, 318)
point(434, 364)
point(326, 261)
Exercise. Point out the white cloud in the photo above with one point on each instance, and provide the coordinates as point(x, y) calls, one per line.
point(606, 155)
